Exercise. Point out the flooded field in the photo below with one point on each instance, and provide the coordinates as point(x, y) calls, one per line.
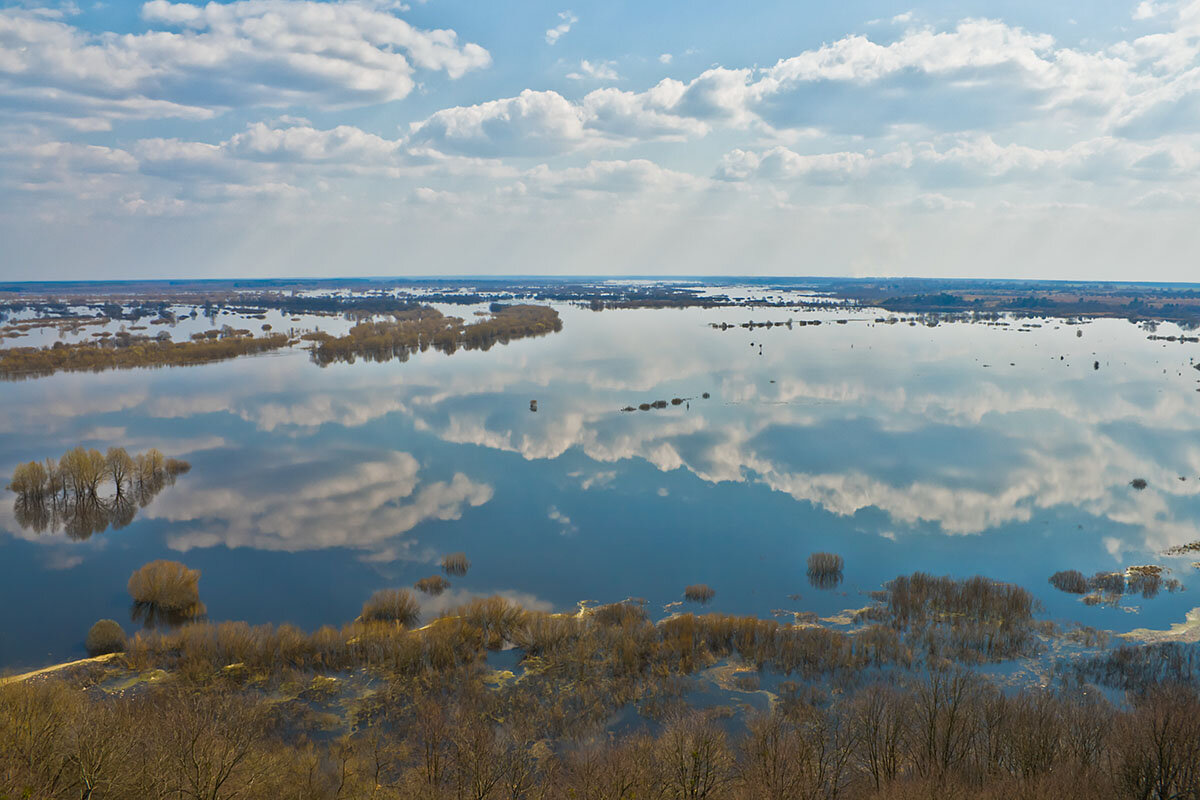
point(1014, 448)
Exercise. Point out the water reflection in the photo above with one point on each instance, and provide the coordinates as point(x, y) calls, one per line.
point(887, 444)
point(293, 500)
point(62, 505)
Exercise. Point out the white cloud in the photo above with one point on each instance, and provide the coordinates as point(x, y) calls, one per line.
point(243, 53)
point(1147, 9)
point(969, 160)
point(934, 202)
point(665, 58)
point(611, 177)
point(598, 71)
point(327, 502)
point(546, 123)
point(561, 29)
point(568, 528)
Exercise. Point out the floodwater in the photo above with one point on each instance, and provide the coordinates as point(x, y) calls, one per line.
point(959, 449)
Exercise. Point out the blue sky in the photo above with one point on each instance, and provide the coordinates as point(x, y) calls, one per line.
point(290, 137)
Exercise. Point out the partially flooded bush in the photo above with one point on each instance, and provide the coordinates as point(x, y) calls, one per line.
point(965, 619)
point(620, 614)
point(456, 564)
point(166, 586)
point(497, 618)
point(1135, 667)
point(825, 570)
point(1071, 581)
point(699, 593)
point(106, 636)
point(399, 606)
point(433, 585)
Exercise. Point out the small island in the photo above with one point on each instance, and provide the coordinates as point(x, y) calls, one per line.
point(85, 492)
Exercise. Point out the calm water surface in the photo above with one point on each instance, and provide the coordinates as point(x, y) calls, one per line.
point(958, 449)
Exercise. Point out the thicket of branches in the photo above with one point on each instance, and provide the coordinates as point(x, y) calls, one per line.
point(452, 731)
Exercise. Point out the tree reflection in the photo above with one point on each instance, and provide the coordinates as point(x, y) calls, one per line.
point(69, 495)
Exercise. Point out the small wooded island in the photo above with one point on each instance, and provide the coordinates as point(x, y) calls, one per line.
point(86, 491)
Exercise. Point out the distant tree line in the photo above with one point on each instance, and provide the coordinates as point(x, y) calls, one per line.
point(86, 491)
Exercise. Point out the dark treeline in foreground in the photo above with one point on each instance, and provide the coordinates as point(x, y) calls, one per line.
point(424, 327)
point(379, 710)
point(86, 491)
point(125, 350)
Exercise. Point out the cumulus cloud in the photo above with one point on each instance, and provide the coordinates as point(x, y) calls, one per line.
point(196, 60)
point(540, 123)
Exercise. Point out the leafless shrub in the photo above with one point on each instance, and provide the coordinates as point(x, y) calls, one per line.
point(399, 606)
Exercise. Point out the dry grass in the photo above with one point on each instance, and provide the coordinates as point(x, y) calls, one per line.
point(699, 593)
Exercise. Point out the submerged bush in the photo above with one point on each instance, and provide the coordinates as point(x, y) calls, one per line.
point(106, 636)
point(433, 585)
point(966, 619)
point(392, 605)
point(166, 585)
point(1069, 580)
point(825, 570)
point(699, 593)
point(456, 564)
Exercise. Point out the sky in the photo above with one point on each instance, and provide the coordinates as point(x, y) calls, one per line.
point(279, 138)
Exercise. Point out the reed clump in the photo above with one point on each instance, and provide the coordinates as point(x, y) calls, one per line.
point(397, 606)
point(455, 564)
point(825, 570)
point(699, 593)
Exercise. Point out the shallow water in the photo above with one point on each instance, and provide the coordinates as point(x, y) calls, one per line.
point(958, 449)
